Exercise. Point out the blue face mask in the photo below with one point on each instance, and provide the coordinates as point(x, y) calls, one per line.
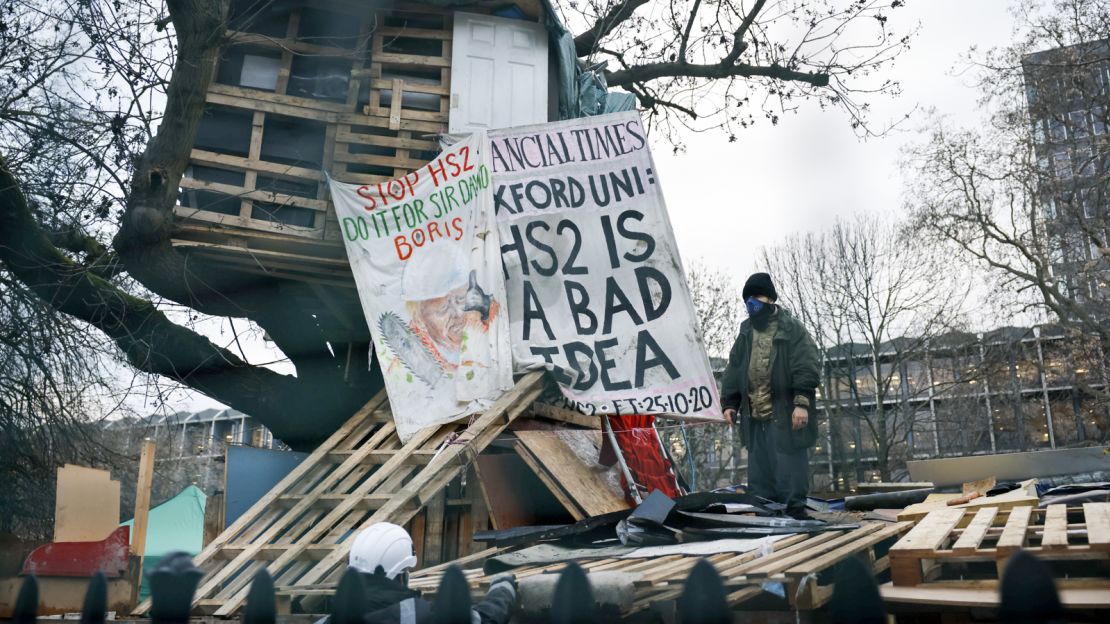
point(754, 306)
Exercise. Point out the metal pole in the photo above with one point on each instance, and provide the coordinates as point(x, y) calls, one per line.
point(632, 488)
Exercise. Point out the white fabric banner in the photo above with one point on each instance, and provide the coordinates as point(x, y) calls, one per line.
point(429, 277)
point(596, 289)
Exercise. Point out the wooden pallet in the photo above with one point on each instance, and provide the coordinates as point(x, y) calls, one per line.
point(801, 562)
point(1057, 534)
point(301, 530)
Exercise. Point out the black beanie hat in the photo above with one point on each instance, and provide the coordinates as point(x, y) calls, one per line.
point(760, 284)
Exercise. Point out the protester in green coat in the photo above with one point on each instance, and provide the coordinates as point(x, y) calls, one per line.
point(769, 391)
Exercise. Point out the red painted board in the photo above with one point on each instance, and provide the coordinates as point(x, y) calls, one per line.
point(109, 556)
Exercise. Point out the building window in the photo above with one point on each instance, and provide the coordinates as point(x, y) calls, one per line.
point(1098, 121)
point(1061, 164)
point(1077, 125)
point(1057, 131)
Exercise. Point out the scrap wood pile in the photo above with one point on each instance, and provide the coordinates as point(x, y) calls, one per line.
point(361, 475)
point(932, 540)
point(643, 557)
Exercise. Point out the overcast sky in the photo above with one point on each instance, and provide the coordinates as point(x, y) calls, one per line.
point(727, 199)
point(811, 168)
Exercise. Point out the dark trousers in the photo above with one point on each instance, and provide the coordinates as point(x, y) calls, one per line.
point(781, 477)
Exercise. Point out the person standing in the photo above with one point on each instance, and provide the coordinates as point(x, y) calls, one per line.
point(769, 391)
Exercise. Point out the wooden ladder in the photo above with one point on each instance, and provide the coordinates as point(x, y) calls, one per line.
point(302, 529)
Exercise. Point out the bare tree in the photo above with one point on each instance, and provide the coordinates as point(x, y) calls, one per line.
point(707, 455)
point(1026, 195)
point(872, 297)
point(111, 94)
point(725, 65)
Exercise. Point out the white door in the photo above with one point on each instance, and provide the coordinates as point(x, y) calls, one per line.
point(498, 73)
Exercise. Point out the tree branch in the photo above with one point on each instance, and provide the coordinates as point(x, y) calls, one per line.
point(150, 341)
point(585, 43)
point(654, 71)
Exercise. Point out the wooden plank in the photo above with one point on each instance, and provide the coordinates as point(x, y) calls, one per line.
point(398, 92)
point(245, 193)
point(1014, 533)
point(238, 222)
point(984, 598)
point(975, 532)
point(783, 548)
point(930, 533)
point(549, 480)
point(433, 535)
point(1024, 496)
point(583, 485)
point(86, 506)
point(1055, 527)
point(838, 554)
point(559, 414)
point(412, 60)
point(398, 161)
point(345, 135)
point(331, 501)
point(142, 500)
point(778, 564)
point(1097, 517)
point(417, 457)
point(216, 159)
point(293, 45)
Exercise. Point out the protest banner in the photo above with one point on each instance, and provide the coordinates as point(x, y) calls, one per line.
point(424, 254)
point(596, 290)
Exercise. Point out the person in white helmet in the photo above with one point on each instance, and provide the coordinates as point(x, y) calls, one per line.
point(383, 554)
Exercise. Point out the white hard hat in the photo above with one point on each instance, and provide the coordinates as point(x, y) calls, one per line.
point(384, 545)
point(433, 272)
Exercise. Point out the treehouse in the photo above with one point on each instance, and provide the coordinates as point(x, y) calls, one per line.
point(361, 92)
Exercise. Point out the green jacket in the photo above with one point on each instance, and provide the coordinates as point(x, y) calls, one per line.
point(795, 371)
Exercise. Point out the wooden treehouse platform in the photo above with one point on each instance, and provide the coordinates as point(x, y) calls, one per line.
point(361, 91)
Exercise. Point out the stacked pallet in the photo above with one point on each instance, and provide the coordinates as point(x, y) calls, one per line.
point(301, 531)
point(1074, 541)
point(363, 104)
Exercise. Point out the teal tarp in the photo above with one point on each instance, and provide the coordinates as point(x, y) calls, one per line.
point(175, 525)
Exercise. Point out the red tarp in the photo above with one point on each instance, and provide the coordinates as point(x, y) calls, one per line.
point(642, 452)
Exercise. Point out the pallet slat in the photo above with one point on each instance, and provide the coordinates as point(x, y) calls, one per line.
point(1055, 527)
point(1017, 526)
point(1097, 516)
point(975, 532)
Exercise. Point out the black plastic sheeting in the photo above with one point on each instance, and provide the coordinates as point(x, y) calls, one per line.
point(660, 520)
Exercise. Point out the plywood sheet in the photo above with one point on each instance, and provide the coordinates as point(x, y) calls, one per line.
point(576, 478)
point(87, 505)
point(1009, 466)
point(1024, 496)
